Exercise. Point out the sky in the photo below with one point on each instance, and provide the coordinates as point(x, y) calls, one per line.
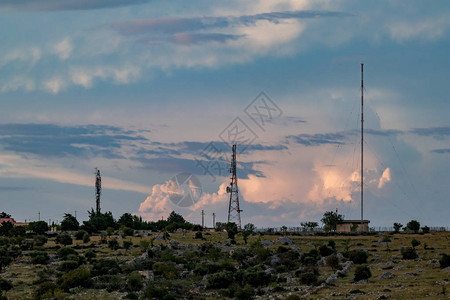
point(146, 90)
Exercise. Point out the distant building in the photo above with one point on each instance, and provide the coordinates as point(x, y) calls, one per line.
point(11, 220)
point(353, 226)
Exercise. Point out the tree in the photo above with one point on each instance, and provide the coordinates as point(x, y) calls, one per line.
point(397, 227)
point(4, 215)
point(231, 229)
point(69, 223)
point(249, 227)
point(126, 220)
point(98, 222)
point(309, 225)
point(331, 219)
point(413, 225)
point(175, 218)
point(39, 227)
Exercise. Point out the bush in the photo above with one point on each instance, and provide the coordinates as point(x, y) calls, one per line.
point(415, 243)
point(40, 240)
point(80, 234)
point(311, 257)
point(39, 257)
point(90, 254)
point(68, 265)
point(64, 239)
point(63, 253)
point(5, 285)
point(78, 277)
point(167, 269)
point(86, 238)
point(257, 278)
point(309, 278)
point(127, 244)
point(113, 244)
point(332, 244)
point(332, 261)
point(362, 273)
point(426, 229)
point(134, 282)
point(198, 235)
point(409, 253)
point(358, 256)
point(245, 293)
point(444, 261)
point(325, 250)
point(105, 267)
point(220, 280)
point(44, 290)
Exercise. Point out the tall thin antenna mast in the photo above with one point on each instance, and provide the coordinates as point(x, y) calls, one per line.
point(234, 212)
point(362, 142)
point(98, 190)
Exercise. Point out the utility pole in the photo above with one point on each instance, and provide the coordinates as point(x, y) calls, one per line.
point(214, 220)
point(234, 212)
point(362, 143)
point(39, 215)
point(203, 218)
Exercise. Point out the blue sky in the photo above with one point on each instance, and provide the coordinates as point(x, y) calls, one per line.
point(144, 89)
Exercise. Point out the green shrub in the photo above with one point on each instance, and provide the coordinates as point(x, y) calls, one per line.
point(80, 234)
point(220, 280)
point(167, 269)
point(39, 257)
point(86, 238)
point(311, 257)
point(68, 265)
point(66, 251)
point(332, 261)
point(426, 229)
point(40, 240)
point(45, 290)
point(134, 282)
point(332, 244)
point(113, 244)
point(90, 254)
point(324, 250)
point(415, 243)
point(257, 278)
point(409, 253)
point(64, 239)
point(309, 278)
point(362, 273)
point(105, 267)
point(444, 261)
point(127, 244)
point(78, 277)
point(358, 256)
point(247, 292)
point(198, 235)
point(5, 285)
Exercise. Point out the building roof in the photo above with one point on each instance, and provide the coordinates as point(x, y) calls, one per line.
point(7, 220)
point(353, 221)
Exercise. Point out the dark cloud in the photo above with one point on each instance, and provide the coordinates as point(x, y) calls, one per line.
point(54, 140)
point(57, 5)
point(436, 132)
point(174, 25)
point(318, 139)
point(389, 132)
point(441, 151)
point(191, 38)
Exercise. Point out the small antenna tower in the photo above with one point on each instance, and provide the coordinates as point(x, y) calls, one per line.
point(98, 189)
point(234, 212)
point(362, 142)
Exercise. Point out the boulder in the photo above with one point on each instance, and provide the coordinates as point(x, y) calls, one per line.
point(386, 275)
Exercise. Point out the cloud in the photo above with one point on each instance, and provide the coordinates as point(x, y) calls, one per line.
point(318, 139)
point(57, 5)
point(55, 85)
point(385, 177)
point(17, 83)
point(84, 76)
point(63, 49)
point(426, 29)
point(440, 151)
point(51, 140)
point(436, 132)
point(176, 25)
